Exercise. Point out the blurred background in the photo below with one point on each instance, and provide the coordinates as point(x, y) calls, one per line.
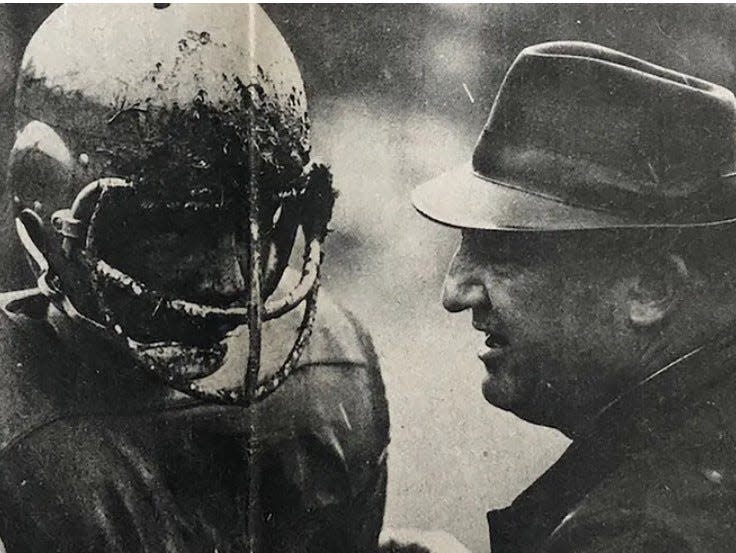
point(398, 94)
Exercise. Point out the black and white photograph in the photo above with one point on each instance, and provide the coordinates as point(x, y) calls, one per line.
point(367, 278)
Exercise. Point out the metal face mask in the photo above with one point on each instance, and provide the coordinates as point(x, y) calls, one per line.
point(195, 348)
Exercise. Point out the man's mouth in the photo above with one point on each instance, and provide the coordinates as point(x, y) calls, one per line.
point(495, 346)
point(495, 340)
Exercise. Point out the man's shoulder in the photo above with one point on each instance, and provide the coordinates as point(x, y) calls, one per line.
point(31, 366)
point(337, 336)
point(336, 398)
point(22, 311)
point(339, 363)
point(26, 339)
point(669, 497)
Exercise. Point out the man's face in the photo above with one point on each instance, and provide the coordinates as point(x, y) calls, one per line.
point(207, 267)
point(550, 308)
point(203, 261)
point(206, 262)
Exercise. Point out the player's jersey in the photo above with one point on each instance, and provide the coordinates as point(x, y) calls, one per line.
point(92, 460)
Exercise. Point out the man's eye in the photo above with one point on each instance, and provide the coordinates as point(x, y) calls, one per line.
point(478, 242)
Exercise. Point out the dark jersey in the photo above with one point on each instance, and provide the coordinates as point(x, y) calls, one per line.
point(92, 460)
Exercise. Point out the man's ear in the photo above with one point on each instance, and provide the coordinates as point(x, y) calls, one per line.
point(655, 293)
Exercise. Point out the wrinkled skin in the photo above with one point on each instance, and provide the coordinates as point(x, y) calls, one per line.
point(555, 304)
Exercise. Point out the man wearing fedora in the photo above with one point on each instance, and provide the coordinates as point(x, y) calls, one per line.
point(598, 259)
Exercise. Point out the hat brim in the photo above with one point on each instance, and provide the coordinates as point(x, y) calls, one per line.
point(462, 199)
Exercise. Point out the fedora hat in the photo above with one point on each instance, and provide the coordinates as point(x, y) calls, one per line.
point(583, 137)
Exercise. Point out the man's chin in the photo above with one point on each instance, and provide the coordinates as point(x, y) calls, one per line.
point(512, 396)
point(501, 392)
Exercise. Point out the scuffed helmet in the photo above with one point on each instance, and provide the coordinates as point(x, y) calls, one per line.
point(132, 117)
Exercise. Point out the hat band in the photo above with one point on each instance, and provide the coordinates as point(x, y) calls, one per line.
point(694, 198)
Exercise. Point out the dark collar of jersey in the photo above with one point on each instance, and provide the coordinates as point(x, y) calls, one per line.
point(93, 388)
point(656, 408)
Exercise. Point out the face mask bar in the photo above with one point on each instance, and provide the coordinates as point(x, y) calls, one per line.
point(188, 375)
point(68, 224)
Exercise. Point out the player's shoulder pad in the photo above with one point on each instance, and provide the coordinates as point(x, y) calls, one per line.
point(31, 366)
point(337, 336)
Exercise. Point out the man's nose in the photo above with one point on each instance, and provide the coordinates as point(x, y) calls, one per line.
point(221, 273)
point(228, 277)
point(462, 288)
point(221, 279)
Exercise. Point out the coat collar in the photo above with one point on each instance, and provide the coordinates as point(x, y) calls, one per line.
point(655, 406)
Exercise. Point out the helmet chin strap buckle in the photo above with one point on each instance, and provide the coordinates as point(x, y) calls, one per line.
point(68, 226)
